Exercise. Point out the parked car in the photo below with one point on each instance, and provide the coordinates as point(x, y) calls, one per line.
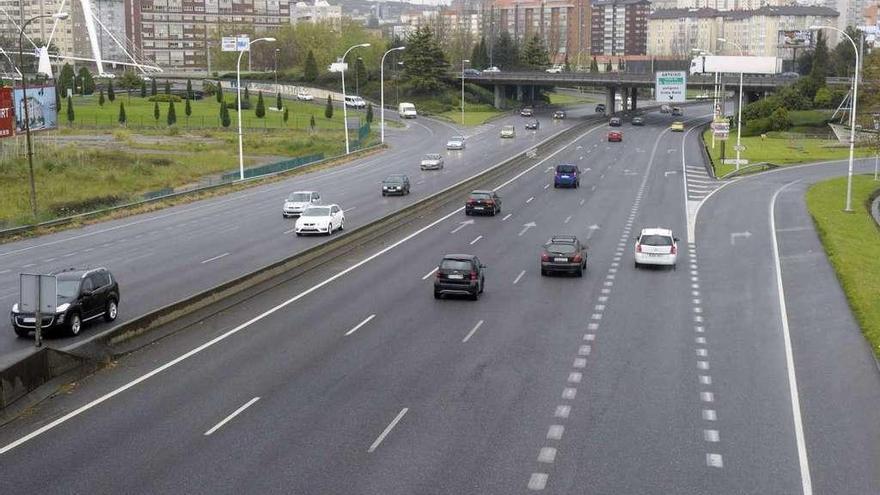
point(493, 69)
point(567, 175)
point(432, 161)
point(303, 95)
point(395, 184)
point(320, 220)
point(526, 112)
point(677, 112)
point(559, 114)
point(532, 125)
point(563, 253)
point(83, 294)
point(455, 143)
point(600, 108)
point(460, 274)
point(615, 136)
point(508, 131)
point(677, 127)
point(656, 246)
point(638, 120)
point(614, 122)
point(483, 202)
point(298, 201)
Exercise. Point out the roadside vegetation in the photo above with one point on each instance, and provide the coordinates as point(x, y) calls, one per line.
point(851, 240)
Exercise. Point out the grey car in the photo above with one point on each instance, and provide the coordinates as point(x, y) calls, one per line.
point(397, 184)
point(432, 161)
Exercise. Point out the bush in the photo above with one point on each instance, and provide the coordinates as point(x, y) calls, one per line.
point(165, 98)
point(779, 119)
point(756, 127)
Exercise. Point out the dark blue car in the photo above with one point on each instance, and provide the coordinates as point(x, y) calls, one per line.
point(567, 176)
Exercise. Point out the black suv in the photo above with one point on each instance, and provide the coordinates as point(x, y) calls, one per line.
point(483, 202)
point(395, 184)
point(461, 274)
point(83, 295)
point(600, 108)
point(532, 125)
point(564, 253)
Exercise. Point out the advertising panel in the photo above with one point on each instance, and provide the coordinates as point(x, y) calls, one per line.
point(7, 113)
point(794, 39)
point(228, 44)
point(41, 108)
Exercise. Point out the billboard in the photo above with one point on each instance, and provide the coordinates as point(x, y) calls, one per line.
point(670, 86)
point(7, 113)
point(796, 39)
point(240, 43)
point(41, 108)
point(228, 44)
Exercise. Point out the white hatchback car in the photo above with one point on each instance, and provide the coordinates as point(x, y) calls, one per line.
point(656, 246)
point(320, 220)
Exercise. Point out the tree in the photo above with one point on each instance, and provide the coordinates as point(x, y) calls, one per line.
point(57, 98)
point(479, 55)
point(566, 67)
point(278, 103)
point(506, 52)
point(310, 70)
point(122, 119)
point(285, 116)
point(328, 110)
point(143, 88)
point(70, 114)
point(111, 95)
point(360, 69)
point(843, 55)
point(189, 89)
point(594, 66)
point(101, 98)
point(534, 55)
point(219, 91)
point(819, 70)
point(129, 81)
point(172, 115)
point(224, 115)
point(424, 63)
point(247, 96)
point(608, 66)
point(153, 90)
point(156, 111)
point(187, 108)
point(87, 81)
point(312, 123)
point(261, 109)
point(369, 117)
point(66, 80)
point(167, 87)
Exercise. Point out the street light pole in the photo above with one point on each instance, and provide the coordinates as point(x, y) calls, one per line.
point(852, 120)
point(24, 101)
point(463, 61)
point(276, 66)
point(382, 92)
point(344, 106)
point(238, 102)
point(740, 106)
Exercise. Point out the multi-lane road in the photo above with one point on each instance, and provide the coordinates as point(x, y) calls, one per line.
point(354, 379)
point(167, 255)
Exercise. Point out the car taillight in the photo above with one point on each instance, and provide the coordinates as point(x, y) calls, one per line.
point(672, 251)
point(471, 201)
point(577, 258)
point(473, 275)
point(638, 248)
point(490, 202)
point(439, 274)
point(545, 257)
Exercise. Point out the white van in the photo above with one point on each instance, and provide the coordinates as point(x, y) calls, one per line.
point(407, 111)
point(355, 102)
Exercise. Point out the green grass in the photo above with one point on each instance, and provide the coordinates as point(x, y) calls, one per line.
point(474, 114)
point(567, 98)
point(851, 240)
point(810, 118)
point(778, 150)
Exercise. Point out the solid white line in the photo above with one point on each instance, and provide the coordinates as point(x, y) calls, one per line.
point(806, 481)
point(427, 275)
point(222, 337)
point(476, 240)
point(215, 258)
point(506, 216)
point(472, 332)
point(359, 325)
point(29, 265)
point(519, 277)
point(530, 200)
point(234, 414)
point(388, 429)
point(5, 271)
point(546, 186)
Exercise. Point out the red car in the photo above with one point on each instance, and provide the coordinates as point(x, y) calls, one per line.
point(615, 136)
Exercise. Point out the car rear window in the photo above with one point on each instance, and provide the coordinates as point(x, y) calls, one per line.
point(302, 197)
point(480, 195)
point(566, 169)
point(455, 265)
point(320, 211)
point(394, 180)
point(656, 240)
point(432, 156)
point(507, 128)
point(561, 248)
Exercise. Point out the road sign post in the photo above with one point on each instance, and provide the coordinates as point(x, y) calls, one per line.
point(38, 294)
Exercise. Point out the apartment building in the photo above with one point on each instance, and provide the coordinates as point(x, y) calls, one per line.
point(619, 28)
point(317, 11)
point(675, 32)
point(562, 24)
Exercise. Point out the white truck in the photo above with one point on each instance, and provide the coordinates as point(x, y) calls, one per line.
point(726, 64)
point(407, 111)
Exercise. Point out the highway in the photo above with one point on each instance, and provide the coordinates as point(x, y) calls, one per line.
point(353, 379)
point(164, 256)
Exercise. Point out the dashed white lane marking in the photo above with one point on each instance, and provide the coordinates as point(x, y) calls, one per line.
point(29, 265)
point(702, 352)
point(575, 377)
point(359, 325)
point(387, 430)
point(547, 455)
point(215, 258)
point(589, 337)
point(530, 200)
point(700, 340)
point(49, 260)
point(562, 411)
point(538, 481)
point(5, 271)
point(714, 460)
point(555, 432)
point(582, 202)
point(596, 316)
point(231, 416)
point(585, 350)
point(507, 216)
point(579, 363)
point(567, 219)
point(709, 415)
point(546, 186)
point(705, 380)
point(519, 277)
point(707, 397)
point(427, 275)
point(476, 240)
point(472, 332)
point(569, 393)
point(599, 307)
point(592, 326)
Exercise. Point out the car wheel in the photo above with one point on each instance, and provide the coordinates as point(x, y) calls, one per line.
point(383, 194)
point(21, 332)
point(467, 213)
point(74, 324)
point(475, 296)
point(555, 186)
point(298, 234)
point(437, 295)
point(580, 271)
point(112, 310)
point(543, 272)
point(636, 265)
point(342, 225)
point(482, 285)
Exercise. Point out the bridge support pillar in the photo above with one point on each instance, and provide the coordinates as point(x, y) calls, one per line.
point(609, 101)
point(519, 93)
point(532, 94)
point(634, 94)
point(499, 97)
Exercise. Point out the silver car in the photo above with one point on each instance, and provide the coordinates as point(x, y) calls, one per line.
point(455, 143)
point(432, 161)
point(299, 201)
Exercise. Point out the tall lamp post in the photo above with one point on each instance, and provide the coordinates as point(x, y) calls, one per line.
point(739, 110)
point(344, 106)
point(463, 61)
point(852, 119)
point(382, 92)
point(701, 52)
point(238, 102)
point(24, 101)
point(276, 66)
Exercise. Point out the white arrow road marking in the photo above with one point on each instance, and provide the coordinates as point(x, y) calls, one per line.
point(734, 235)
point(462, 225)
point(669, 172)
point(593, 228)
point(527, 226)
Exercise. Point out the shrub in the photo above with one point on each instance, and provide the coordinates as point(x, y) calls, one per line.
point(756, 127)
point(165, 98)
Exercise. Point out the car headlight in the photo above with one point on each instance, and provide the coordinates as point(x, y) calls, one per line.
point(62, 308)
point(15, 308)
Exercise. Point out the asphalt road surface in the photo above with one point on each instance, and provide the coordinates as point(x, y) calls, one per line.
point(354, 379)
